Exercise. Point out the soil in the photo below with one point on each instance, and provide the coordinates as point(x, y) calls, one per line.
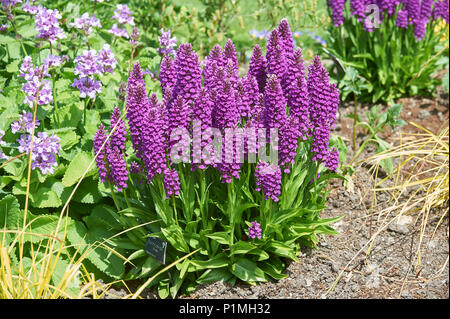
point(341, 267)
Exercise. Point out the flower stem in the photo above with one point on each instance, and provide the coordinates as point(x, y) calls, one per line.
point(114, 196)
point(355, 117)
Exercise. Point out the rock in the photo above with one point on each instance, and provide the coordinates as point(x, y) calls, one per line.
point(308, 282)
point(398, 228)
point(335, 267)
point(355, 287)
point(423, 114)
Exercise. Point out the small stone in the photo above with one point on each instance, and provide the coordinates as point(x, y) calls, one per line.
point(423, 114)
point(397, 228)
point(308, 282)
point(335, 267)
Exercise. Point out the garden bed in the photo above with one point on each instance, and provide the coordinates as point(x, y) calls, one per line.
point(387, 272)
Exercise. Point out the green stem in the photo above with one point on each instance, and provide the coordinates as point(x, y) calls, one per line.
point(126, 197)
point(114, 196)
point(175, 209)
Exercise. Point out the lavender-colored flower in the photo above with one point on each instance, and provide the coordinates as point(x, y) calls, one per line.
point(254, 230)
point(202, 119)
point(87, 86)
point(258, 66)
point(28, 71)
point(24, 124)
point(134, 37)
point(122, 14)
point(118, 32)
point(28, 8)
point(37, 91)
point(45, 149)
point(189, 74)
point(85, 23)
point(166, 43)
point(337, 11)
point(47, 24)
point(248, 93)
point(268, 179)
point(54, 61)
point(87, 64)
point(106, 60)
point(3, 27)
point(171, 182)
point(179, 116)
point(44, 152)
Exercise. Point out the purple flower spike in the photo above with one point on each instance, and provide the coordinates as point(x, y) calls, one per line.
point(168, 73)
point(257, 67)
point(285, 34)
point(171, 182)
point(254, 230)
point(118, 167)
point(47, 24)
point(297, 92)
point(119, 136)
point(101, 160)
point(274, 114)
point(189, 74)
point(268, 179)
point(337, 11)
point(276, 57)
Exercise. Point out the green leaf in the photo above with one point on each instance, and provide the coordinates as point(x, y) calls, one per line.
point(77, 168)
point(218, 261)
point(281, 249)
point(11, 216)
point(215, 275)
point(273, 269)
point(246, 270)
point(174, 236)
point(88, 241)
point(220, 237)
point(87, 192)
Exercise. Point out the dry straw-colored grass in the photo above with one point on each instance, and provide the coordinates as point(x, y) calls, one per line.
point(418, 187)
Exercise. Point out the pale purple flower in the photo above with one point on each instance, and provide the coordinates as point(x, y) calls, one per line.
point(24, 124)
point(134, 37)
point(44, 154)
point(123, 15)
point(166, 43)
point(87, 86)
point(85, 23)
point(28, 71)
point(87, 64)
point(28, 8)
point(118, 32)
point(37, 89)
point(47, 24)
point(3, 27)
point(54, 61)
point(106, 59)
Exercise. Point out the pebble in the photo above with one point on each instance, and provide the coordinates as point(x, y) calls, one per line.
point(423, 114)
point(335, 267)
point(398, 228)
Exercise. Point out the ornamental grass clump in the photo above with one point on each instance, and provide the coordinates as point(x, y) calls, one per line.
point(232, 170)
point(393, 44)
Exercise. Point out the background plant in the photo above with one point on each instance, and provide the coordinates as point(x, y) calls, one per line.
point(403, 49)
